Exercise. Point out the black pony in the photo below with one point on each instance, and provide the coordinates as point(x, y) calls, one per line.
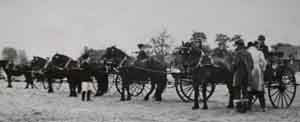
point(204, 72)
point(74, 74)
point(17, 70)
point(152, 70)
point(38, 65)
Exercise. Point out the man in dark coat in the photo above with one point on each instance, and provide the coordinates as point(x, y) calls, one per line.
point(243, 65)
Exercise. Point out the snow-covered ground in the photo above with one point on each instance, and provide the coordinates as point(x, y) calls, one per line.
point(36, 105)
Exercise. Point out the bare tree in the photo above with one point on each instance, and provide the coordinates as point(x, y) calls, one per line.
point(22, 57)
point(9, 53)
point(161, 44)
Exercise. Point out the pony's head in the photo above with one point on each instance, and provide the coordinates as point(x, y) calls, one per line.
point(189, 57)
point(60, 60)
point(113, 55)
point(38, 62)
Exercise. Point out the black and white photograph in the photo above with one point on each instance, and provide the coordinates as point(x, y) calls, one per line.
point(149, 60)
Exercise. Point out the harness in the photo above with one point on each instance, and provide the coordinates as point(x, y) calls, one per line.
point(47, 63)
point(67, 64)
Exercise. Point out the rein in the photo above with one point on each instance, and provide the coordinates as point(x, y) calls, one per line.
point(122, 62)
point(47, 63)
point(67, 64)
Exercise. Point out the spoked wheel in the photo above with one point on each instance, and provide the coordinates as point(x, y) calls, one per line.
point(136, 88)
point(283, 91)
point(187, 90)
point(179, 92)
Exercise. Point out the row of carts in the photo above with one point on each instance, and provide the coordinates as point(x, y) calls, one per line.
point(281, 85)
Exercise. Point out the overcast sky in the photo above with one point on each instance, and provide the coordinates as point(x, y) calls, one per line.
point(43, 27)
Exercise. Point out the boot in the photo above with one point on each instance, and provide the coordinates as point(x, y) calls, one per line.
point(89, 95)
point(83, 96)
point(262, 101)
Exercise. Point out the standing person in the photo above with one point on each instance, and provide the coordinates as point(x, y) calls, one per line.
point(262, 46)
point(221, 53)
point(259, 66)
point(197, 39)
point(86, 77)
point(242, 67)
point(197, 49)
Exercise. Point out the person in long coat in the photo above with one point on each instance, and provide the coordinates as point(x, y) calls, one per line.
point(259, 66)
point(243, 65)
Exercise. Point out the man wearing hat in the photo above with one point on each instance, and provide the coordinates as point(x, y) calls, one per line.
point(142, 55)
point(243, 65)
point(197, 39)
point(220, 53)
point(262, 46)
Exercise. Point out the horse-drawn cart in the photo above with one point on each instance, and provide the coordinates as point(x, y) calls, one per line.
point(280, 83)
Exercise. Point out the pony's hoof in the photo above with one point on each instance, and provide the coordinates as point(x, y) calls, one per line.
point(230, 106)
point(205, 108)
point(146, 98)
point(128, 98)
point(158, 99)
point(195, 108)
point(122, 99)
point(99, 94)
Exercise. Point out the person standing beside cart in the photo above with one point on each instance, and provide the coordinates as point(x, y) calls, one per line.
point(87, 81)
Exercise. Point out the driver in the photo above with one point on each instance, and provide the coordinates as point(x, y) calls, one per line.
point(142, 54)
point(197, 39)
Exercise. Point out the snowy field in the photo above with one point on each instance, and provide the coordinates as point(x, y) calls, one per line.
point(36, 105)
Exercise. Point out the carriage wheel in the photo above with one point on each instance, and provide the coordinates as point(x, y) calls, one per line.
point(283, 91)
point(187, 90)
point(135, 88)
point(179, 92)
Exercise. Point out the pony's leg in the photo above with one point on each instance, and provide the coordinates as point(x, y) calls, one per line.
point(123, 91)
point(105, 83)
point(31, 83)
point(128, 91)
point(50, 90)
point(27, 83)
point(161, 85)
point(9, 80)
point(78, 83)
point(196, 95)
point(150, 92)
point(204, 89)
point(72, 87)
point(230, 90)
point(99, 91)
